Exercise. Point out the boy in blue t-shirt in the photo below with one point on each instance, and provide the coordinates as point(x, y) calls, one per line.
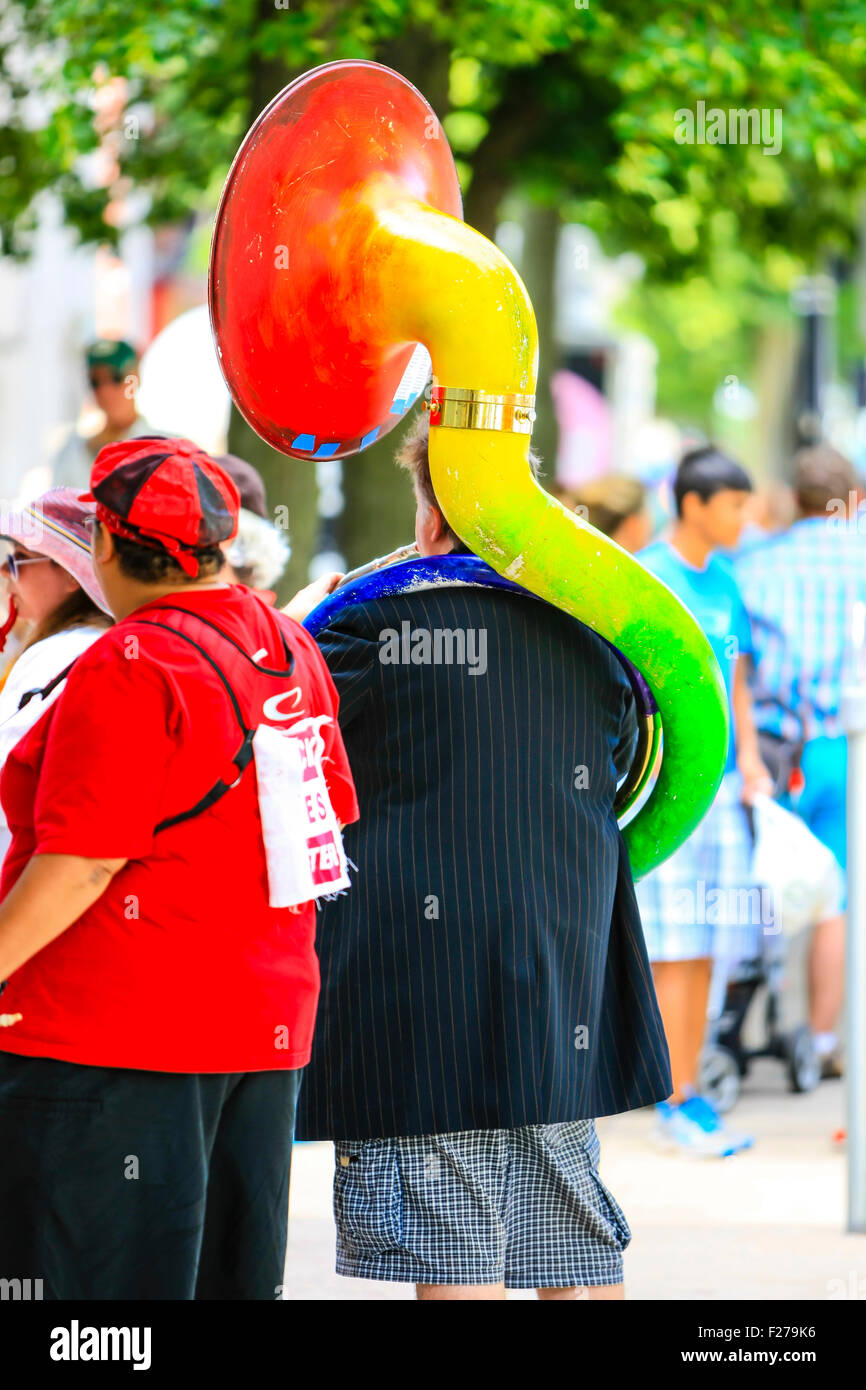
point(711, 493)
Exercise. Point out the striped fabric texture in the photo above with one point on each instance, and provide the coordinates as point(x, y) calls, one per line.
point(488, 969)
point(800, 588)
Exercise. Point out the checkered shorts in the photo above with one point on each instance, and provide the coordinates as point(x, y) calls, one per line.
point(521, 1206)
point(702, 901)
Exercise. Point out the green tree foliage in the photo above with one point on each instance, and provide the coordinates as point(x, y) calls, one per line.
point(579, 103)
point(573, 101)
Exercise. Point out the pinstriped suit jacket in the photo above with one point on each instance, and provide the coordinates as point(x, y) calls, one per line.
point(487, 969)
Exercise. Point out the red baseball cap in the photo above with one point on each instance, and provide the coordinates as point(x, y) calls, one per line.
point(164, 493)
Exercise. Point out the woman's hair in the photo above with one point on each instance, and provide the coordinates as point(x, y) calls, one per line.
point(607, 502)
point(155, 566)
point(76, 610)
point(259, 552)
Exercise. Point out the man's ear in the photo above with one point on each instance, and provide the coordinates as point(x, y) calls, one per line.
point(428, 521)
point(437, 523)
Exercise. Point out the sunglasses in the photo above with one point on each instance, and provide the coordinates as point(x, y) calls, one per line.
point(97, 381)
point(12, 563)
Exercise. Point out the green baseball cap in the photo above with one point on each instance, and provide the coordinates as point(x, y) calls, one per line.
point(112, 352)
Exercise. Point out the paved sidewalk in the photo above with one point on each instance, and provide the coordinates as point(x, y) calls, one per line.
point(769, 1223)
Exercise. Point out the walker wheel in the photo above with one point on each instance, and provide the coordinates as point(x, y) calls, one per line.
point(804, 1068)
point(719, 1077)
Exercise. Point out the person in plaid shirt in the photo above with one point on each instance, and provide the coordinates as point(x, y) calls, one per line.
point(711, 491)
point(800, 588)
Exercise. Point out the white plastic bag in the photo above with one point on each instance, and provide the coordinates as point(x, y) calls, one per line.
point(800, 874)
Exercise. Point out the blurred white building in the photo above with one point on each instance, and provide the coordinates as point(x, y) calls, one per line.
point(620, 365)
point(51, 307)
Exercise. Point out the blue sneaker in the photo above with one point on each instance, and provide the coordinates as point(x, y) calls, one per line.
point(694, 1129)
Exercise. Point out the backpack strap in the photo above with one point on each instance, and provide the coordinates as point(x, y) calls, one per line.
point(244, 754)
point(241, 761)
point(46, 689)
point(266, 671)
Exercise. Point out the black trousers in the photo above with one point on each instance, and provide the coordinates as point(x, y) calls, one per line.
point(122, 1184)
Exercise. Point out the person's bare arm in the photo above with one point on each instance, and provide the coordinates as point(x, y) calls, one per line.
point(756, 777)
point(308, 598)
point(52, 893)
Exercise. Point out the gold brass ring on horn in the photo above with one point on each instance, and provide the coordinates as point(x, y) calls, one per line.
point(461, 409)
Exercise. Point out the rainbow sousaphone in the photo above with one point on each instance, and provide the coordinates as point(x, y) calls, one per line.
point(340, 269)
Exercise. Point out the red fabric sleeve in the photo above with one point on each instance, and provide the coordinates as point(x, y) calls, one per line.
point(107, 757)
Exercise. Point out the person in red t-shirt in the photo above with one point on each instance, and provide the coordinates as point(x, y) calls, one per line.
point(157, 918)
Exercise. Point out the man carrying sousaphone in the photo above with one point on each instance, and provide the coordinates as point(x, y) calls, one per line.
point(485, 988)
point(157, 915)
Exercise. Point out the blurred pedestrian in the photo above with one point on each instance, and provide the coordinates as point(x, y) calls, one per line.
point(113, 377)
point(248, 481)
point(771, 509)
point(258, 554)
point(54, 592)
point(617, 505)
point(801, 587)
point(711, 492)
